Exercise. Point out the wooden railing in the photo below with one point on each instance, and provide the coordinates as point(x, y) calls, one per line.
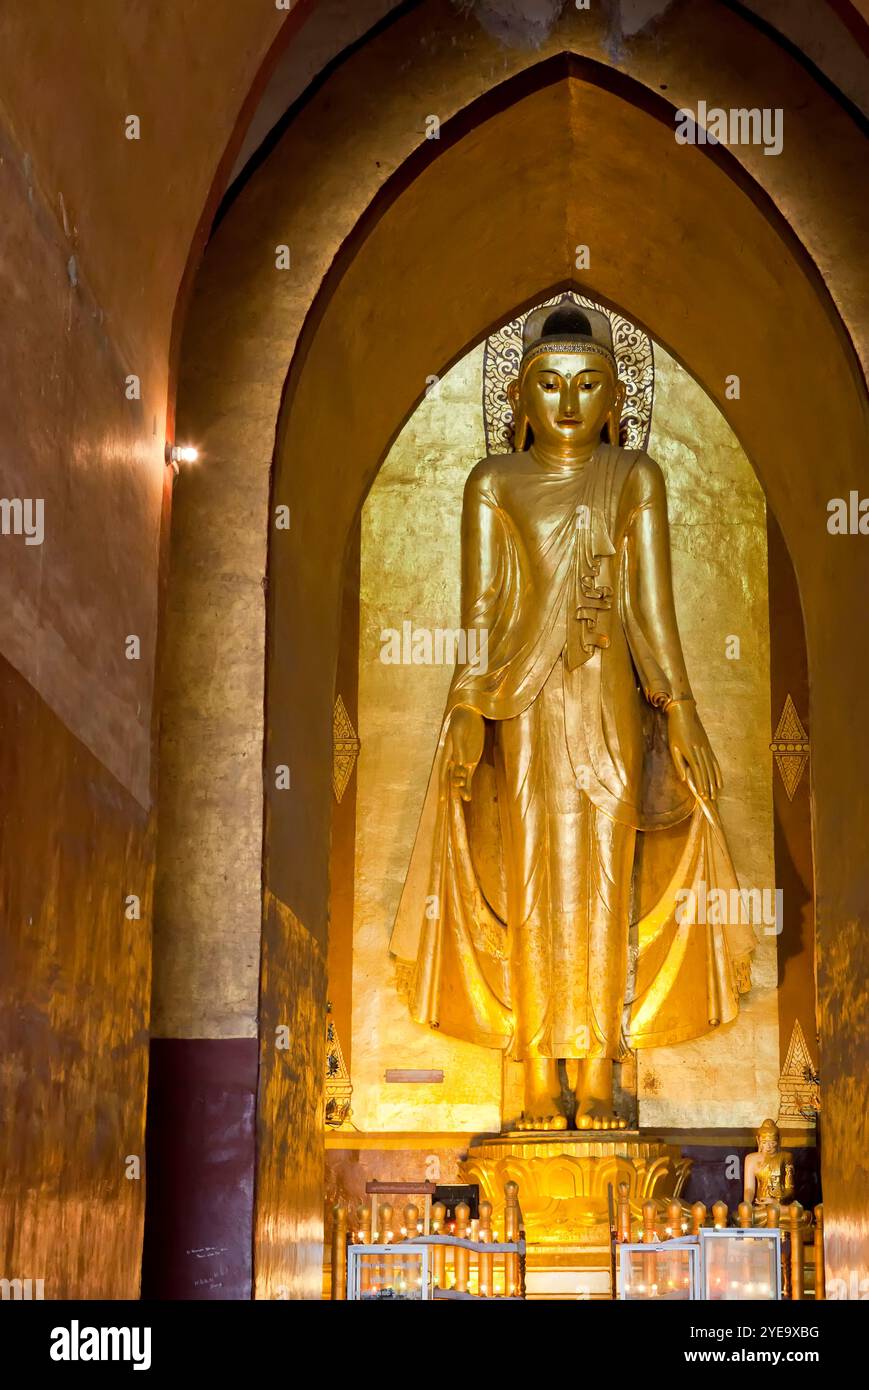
point(469, 1262)
point(802, 1236)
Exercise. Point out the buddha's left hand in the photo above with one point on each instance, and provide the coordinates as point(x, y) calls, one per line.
point(691, 750)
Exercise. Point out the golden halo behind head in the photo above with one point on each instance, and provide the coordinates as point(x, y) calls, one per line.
point(506, 347)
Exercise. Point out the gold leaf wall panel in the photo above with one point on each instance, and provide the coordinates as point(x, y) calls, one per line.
point(288, 1236)
point(74, 1015)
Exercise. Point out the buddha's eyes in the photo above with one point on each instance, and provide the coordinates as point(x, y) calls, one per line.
point(550, 386)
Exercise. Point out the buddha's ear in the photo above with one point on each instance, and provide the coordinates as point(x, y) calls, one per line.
point(615, 416)
point(520, 420)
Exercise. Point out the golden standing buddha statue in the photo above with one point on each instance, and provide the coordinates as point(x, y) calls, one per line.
point(573, 730)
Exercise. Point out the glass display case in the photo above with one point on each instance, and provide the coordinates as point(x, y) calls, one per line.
point(667, 1270)
point(398, 1273)
point(741, 1264)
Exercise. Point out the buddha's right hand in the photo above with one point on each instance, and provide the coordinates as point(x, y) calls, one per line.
point(463, 748)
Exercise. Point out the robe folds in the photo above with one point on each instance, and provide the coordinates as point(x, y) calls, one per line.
point(520, 913)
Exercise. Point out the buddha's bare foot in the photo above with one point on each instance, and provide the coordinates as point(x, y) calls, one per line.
point(594, 1096)
point(592, 1114)
point(558, 1121)
point(546, 1121)
point(542, 1094)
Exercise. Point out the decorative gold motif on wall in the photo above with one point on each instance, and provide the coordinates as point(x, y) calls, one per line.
point(790, 747)
point(798, 1084)
point(345, 749)
point(634, 359)
point(339, 1089)
point(405, 979)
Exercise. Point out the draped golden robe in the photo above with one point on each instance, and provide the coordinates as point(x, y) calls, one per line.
point(516, 910)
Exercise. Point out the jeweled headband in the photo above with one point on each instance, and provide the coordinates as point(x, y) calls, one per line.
point(565, 327)
point(579, 346)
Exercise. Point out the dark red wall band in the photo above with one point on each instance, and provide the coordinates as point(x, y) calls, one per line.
point(200, 1163)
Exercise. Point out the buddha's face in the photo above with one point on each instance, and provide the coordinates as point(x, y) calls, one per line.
point(767, 1141)
point(566, 398)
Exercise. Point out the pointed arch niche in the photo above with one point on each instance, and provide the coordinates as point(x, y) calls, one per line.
point(409, 571)
point(458, 248)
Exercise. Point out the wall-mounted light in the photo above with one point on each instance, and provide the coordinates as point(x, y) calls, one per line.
point(176, 454)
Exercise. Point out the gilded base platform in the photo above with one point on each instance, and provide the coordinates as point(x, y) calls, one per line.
point(563, 1179)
